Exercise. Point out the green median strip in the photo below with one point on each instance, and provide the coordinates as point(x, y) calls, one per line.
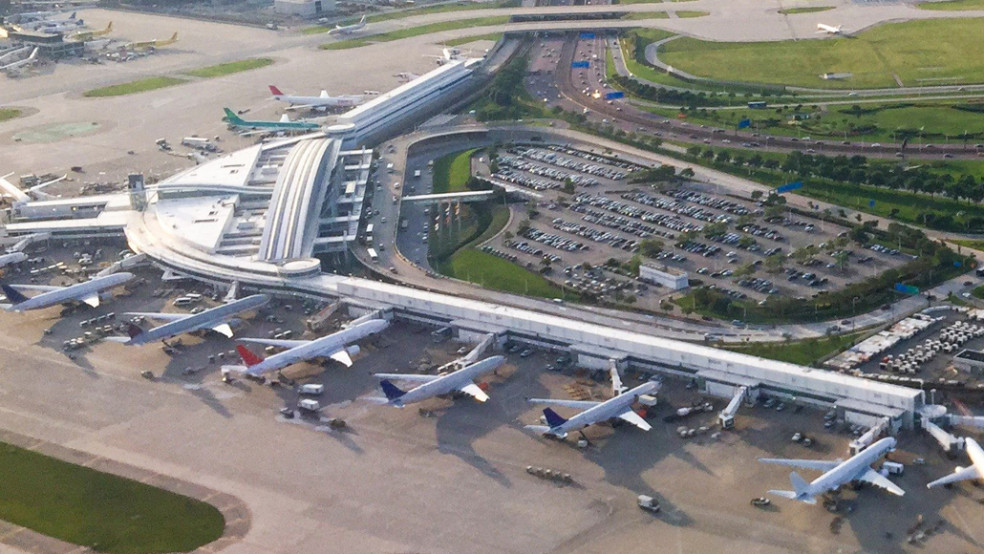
point(685, 14)
point(646, 15)
point(98, 510)
point(133, 87)
point(223, 69)
point(814, 9)
point(416, 31)
point(9, 113)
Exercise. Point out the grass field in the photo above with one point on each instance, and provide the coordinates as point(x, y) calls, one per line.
point(495, 273)
point(451, 172)
point(975, 244)
point(102, 511)
point(415, 31)
point(685, 14)
point(9, 113)
point(494, 37)
point(229, 68)
point(925, 52)
point(814, 9)
point(940, 121)
point(953, 5)
point(804, 352)
point(133, 87)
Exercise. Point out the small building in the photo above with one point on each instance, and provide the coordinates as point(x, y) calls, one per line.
point(971, 361)
point(665, 276)
point(304, 8)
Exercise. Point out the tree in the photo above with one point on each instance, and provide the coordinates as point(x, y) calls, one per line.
point(756, 195)
point(688, 173)
point(746, 241)
point(568, 186)
point(841, 258)
point(650, 248)
point(524, 226)
point(775, 262)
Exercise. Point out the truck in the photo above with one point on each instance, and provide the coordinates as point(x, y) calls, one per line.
point(648, 503)
point(309, 405)
point(198, 143)
point(893, 468)
point(416, 174)
point(313, 389)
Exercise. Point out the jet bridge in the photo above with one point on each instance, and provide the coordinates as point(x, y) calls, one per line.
point(727, 415)
point(946, 440)
point(869, 436)
point(970, 421)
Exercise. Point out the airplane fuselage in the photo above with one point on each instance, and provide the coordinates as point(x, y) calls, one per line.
point(450, 382)
point(605, 411)
point(203, 320)
point(323, 346)
point(851, 469)
point(72, 293)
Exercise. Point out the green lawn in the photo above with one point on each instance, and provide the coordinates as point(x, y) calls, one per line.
point(815, 9)
point(400, 14)
point(229, 68)
point(684, 14)
point(98, 510)
point(9, 113)
point(496, 273)
point(925, 52)
point(953, 5)
point(415, 31)
point(975, 244)
point(805, 352)
point(451, 172)
point(494, 37)
point(646, 15)
point(941, 121)
point(133, 87)
point(645, 71)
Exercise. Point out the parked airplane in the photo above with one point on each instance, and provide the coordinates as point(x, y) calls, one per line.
point(619, 407)
point(975, 471)
point(12, 258)
point(89, 35)
point(349, 29)
point(448, 55)
point(14, 54)
point(42, 24)
point(332, 346)
point(837, 473)
point(285, 124)
point(215, 319)
point(21, 63)
point(322, 101)
point(156, 43)
point(87, 292)
point(462, 380)
point(27, 17)
point(829, 29)
point(406, 76)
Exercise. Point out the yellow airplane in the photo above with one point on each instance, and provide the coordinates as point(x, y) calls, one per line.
point(154, 43)
point(89, 35)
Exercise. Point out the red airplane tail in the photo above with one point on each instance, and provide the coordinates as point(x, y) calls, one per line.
point(275, 91)
point(248, 357)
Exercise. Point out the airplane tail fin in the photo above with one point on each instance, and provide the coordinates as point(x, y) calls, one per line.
point(799, 484)
point(275, 91)
point(73, 15)
point(231, 116)
point(12, 294)
point(363, 20)
point(553, 420)
point(109, 27)
point(174, 37)
point(247, 355)
point(391, 391)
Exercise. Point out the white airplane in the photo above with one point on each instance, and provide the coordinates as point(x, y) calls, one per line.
point(12, 258)
point(462, 381)
point(27, 17)
point(13, 54)
point(215, 319)
point(322, 101)
point(619, 407)
point(87, 292)
point(975, 471)
point(41, 24)
point(349, 29)
point(405, 76)
point(837, 473)
point(21, 63)
point(334, 346)
point(448, 55)
point(829, 29)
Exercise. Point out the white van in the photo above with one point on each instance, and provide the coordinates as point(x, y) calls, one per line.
point(183, 301)
point(308, 405)
point(312, 388)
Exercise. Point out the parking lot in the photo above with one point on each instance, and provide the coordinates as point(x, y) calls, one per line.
point(590, 215)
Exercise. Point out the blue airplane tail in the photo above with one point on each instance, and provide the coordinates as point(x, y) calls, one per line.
point(12, 294)
point(390, 390)
point(553, 420)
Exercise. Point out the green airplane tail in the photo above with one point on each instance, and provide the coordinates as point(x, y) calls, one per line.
point(231, 117)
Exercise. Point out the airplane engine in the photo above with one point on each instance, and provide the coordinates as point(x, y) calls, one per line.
point(353, 350)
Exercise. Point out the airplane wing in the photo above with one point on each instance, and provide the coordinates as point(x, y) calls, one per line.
point(39, 288)
point(578, 404)
point(92, 300)
point(342, 356)
point(877, 479)
point(634, 419)
point(962, 474)
point(285, 343)
point(416, 377)
point(819, 465)
point(475, 391)
point(158, 315)
point(223, 329)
